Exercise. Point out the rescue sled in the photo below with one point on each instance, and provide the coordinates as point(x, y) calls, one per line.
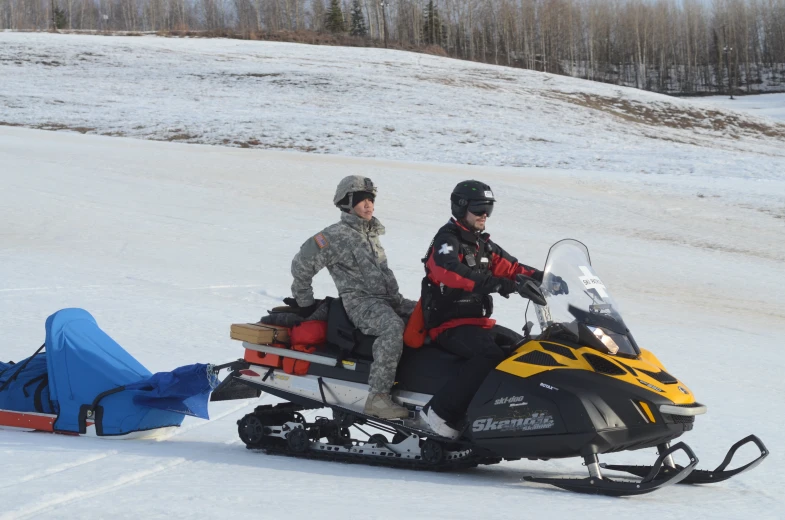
point(581, 388)
point(80, 381)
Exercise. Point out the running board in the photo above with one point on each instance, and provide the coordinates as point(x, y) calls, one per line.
point(703, 476)
point(599, 485)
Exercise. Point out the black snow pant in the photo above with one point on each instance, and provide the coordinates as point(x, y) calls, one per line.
point(477, 346)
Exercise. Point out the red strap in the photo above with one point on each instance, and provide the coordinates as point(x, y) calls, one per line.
point(485, 323)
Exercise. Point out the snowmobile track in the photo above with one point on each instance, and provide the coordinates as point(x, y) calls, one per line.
point(389, 462)
point(276, 446)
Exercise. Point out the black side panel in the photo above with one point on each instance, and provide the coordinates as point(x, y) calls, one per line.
point(565, 413)
point(511, 406)
point(426, 369)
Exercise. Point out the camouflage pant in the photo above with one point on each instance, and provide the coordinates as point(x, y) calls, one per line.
point(380, 320)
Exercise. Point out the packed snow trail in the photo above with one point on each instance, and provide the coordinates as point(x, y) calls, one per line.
point(167, 244)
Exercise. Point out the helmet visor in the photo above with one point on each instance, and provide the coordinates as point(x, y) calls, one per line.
point(480, 207)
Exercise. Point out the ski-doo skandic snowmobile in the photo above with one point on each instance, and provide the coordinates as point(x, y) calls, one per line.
point(581, 388)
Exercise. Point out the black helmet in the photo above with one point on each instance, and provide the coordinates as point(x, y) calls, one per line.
point(475, 196)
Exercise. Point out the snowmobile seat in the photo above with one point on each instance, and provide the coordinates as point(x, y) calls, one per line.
point(428, 368)
point(342, 333)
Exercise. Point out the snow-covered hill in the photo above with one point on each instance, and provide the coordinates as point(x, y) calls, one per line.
point(168, 243)
point(369, 103)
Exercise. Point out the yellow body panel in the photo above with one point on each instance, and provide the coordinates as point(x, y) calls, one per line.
point(677, 393)
point(647, 411)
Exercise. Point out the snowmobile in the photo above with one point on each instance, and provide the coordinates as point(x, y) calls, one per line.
point(581, 388)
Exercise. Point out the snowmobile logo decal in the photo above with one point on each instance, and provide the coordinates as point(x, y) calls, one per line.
point(516, 400)
point(592, 281)
point(549, 387)
point(683, 390)
point(321, 241)
point(537, 421)
point(655, 388)
point(446, 249)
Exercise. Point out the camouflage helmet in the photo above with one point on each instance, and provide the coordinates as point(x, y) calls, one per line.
point(350, 185)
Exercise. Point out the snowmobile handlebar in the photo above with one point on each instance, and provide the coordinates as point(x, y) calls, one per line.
point(529, 289)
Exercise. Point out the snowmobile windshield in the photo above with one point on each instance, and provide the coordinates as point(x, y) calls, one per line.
point(581, 306)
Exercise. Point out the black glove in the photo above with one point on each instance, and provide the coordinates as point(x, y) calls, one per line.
point(303, 312)
point(507, 287)
point(558, 285)
point(537, 276)
point(529, 288)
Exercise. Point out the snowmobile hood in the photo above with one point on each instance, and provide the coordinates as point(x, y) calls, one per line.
point(646, 372)
point(584, 330)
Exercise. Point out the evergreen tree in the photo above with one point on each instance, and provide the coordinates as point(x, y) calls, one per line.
point(432, 27)
point(334, 22)
point(358, 20)
point(60, 18)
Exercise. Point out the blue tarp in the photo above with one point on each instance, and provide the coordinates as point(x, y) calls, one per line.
point(82, 362)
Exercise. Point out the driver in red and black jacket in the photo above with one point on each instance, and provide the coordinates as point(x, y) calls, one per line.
point(463, 268)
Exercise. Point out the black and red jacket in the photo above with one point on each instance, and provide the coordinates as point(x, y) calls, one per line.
point(462, 269)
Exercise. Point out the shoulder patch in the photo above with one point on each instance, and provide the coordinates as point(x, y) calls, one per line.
point(445, 249)
point(321, 241)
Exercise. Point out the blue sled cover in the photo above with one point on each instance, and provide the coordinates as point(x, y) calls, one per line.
point(90, 374)
point(24, 386)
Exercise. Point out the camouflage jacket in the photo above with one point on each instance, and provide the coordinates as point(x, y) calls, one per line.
point(353, 254)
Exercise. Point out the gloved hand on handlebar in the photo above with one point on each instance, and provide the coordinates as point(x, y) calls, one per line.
point(529, 288)
point(507, 287)
point(303, 312)
point(537, 276)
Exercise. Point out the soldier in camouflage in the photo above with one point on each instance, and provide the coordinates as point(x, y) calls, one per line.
point(353, 254)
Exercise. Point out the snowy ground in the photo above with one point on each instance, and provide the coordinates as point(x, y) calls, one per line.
point(168, 243)
point(763, 105)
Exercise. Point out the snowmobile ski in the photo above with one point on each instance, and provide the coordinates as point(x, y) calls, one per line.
point(701, 476)
point(654, 479)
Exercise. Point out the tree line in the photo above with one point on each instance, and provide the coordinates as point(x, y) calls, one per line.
point(672, 46)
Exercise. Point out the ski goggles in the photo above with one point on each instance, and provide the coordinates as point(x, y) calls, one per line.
point(480, 208)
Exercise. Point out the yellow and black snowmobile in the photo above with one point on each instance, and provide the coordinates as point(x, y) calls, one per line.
point(581, 388)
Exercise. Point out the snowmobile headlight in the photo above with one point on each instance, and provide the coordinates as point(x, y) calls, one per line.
point(604, 338)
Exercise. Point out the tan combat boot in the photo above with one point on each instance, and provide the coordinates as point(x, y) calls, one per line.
point(383, 407)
